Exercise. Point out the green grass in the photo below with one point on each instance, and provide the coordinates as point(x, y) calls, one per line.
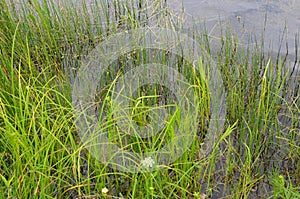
point(42, 47)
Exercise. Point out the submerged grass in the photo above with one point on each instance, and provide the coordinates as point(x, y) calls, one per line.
point(42, 45)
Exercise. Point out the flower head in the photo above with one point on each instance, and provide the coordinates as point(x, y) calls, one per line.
point(148, 162)
point(104, 190)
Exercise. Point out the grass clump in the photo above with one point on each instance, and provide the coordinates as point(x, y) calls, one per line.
point(43, 44)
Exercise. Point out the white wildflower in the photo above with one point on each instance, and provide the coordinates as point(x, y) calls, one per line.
point(148, 162)
point(104, 190)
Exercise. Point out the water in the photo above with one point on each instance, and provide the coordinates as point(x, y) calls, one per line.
point(275, 22)
point(276, 19)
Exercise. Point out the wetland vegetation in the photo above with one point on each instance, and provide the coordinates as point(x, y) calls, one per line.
point(43, 44)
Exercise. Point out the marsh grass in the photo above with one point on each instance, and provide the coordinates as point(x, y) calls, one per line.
point(42, 46)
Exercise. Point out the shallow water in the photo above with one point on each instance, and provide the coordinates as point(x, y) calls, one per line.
point(275, 18)
point(275, 21)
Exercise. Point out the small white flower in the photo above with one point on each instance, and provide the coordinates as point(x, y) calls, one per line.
point(104, 190)
point(148, 162)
